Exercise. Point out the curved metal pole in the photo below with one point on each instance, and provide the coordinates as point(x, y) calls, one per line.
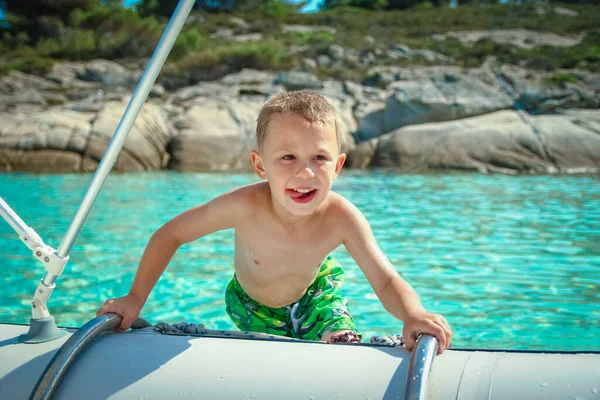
point(419, 366)
point(135, 104)
point(70, 350)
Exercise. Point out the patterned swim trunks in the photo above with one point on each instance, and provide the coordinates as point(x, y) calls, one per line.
point(319, 311)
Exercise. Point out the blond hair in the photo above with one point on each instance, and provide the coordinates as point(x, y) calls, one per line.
point(309, 105)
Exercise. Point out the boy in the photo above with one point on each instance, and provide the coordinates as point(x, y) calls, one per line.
point(285, 282)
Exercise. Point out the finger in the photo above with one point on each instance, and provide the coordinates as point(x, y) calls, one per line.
point(440, 334)
point(410, 340)
point(103, 310)
point(105, 307)
point(443, 322)
point(449, 333)
point(126, 323)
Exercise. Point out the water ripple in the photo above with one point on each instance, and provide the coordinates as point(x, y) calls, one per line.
point(512, 262)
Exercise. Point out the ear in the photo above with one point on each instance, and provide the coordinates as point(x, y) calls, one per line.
point(258, 165)
point(339, 164)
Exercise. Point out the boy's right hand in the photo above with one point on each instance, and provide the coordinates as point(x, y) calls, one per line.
point(127, 307)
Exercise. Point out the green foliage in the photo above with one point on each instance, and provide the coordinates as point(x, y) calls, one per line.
point(189, 40)
point(162, 8)
point(561, 79)
point(276, 9)
point(116, 32)
point(364, 4)
point(318, 38)
point(108, 30)
point(28, 61)
point(32, 9)
point(267, 54)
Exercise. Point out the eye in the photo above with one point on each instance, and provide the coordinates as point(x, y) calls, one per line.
point(288, 157)
point(320, 158)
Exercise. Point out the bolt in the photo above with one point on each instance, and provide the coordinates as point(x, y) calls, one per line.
point(46, 259)
point(33, 305)
point(38, 253)
point(41, 291)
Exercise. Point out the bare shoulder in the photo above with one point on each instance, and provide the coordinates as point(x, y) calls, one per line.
point(226, 211)
point(342, 212)
point(340, 206)
point(243, 200)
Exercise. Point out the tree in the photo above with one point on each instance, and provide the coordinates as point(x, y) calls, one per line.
point(36, 17)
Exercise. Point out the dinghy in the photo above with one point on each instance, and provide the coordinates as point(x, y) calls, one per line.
point(41, 361)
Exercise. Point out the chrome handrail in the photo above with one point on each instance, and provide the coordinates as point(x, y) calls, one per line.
point(419, 366)
point(46, 386)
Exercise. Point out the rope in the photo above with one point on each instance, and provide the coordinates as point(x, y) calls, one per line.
point(391, 340)
point(185, 328)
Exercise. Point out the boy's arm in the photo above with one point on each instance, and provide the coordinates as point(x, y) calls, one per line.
point(395, 294)
point(216, 215)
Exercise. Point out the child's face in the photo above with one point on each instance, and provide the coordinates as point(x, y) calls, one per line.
point(300, 159)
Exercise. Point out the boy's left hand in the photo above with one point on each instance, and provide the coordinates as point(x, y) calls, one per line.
point(429, 323)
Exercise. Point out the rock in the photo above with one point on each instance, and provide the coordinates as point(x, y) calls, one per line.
point(205, 89)
point(309, 65)
point(441, 98)
point(307, 29)
point(432, 56)
point(65, 74)
point(589, 79)
point(538, 94)
point(344, 109)
point(217, 135)
point(27, 97)
point(336, 52)
point(381, 76)
point(211, 126)
point(50, 141)
point(40, 161)
point(362, 155)
point(54, 98)
point(157, 90)
point(353, 89)
point(248, 76)
point(401, 48)
point(18, 81)
point(295, 80)
point(323, 60)
point(523, 38)
point(565, 11)
point(239, 23)
point(109, 73)
point(249, 37)
point(371, 117)
point(222, 33)
point(145, 146)
point(499, 142)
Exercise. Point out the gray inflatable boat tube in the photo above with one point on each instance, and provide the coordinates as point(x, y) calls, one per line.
point(143, 364)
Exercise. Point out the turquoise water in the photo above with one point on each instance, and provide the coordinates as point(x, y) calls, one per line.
point(512, 262)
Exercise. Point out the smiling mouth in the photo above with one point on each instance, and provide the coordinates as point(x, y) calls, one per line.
point(301, 195)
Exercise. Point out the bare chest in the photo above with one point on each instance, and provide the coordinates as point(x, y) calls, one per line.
point(273, 255)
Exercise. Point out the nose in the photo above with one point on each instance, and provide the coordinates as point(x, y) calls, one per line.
point(305, 172)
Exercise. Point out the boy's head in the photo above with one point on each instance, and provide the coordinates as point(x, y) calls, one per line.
point(309, 105)
point(298, 138)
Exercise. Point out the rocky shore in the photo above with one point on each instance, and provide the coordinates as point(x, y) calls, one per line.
point(408, 119)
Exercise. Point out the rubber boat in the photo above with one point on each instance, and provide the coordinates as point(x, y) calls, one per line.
point(42, 361)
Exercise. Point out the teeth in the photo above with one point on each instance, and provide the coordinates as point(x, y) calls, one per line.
point(303, 190)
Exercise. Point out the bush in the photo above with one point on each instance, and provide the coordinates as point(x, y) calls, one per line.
point(561, 79)
point(268, 54)
point(189, 40)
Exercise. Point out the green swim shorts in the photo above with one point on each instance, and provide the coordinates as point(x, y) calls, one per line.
point(321, 310)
